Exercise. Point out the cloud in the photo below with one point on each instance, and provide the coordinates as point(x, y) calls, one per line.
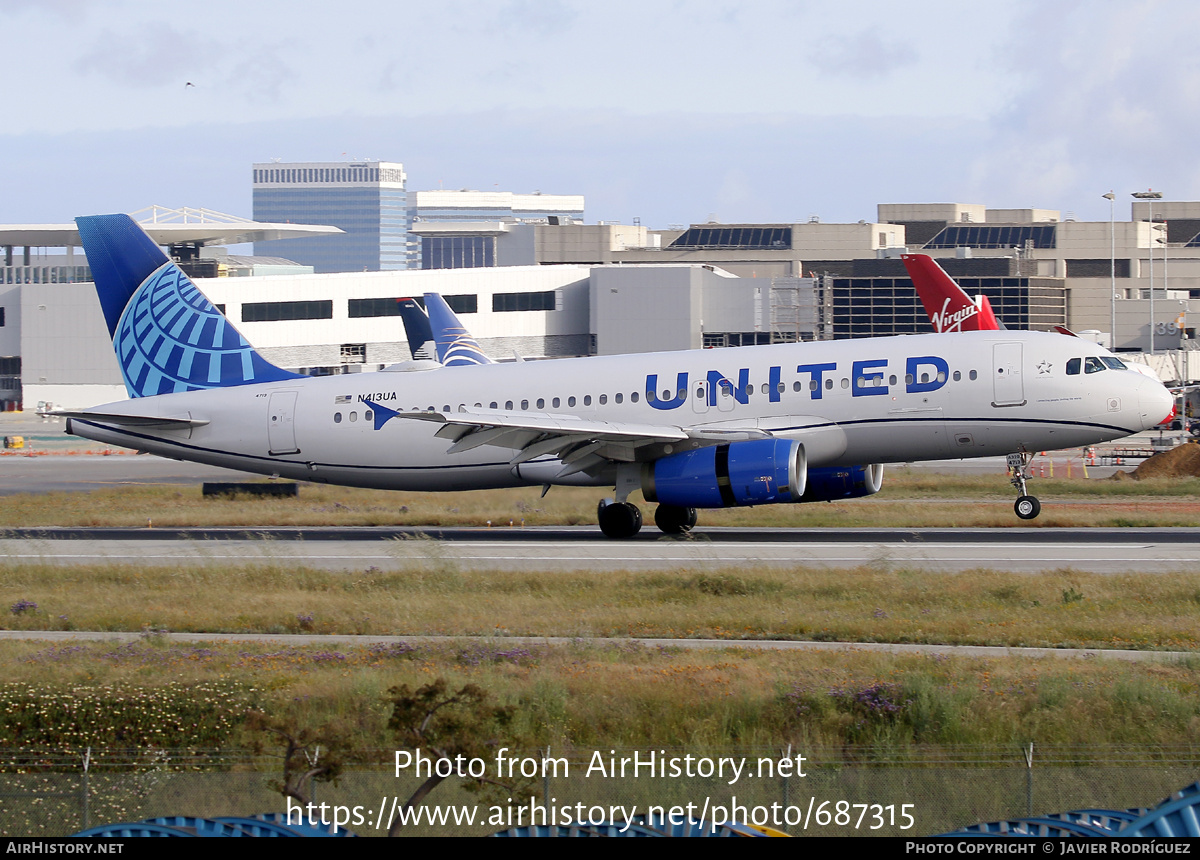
point(865, 54)
point(149, 56)
point(666, 169)
point(540, 17)
point(1109, 98)
point(261, 76)
point(68, 9)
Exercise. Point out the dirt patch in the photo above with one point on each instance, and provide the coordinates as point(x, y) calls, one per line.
point(1180, 462)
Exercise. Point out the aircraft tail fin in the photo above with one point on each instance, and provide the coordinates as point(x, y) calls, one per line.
point(987, 317)
point(949, 308)
point(417, 330)
point(167, 335)
point(455, 346)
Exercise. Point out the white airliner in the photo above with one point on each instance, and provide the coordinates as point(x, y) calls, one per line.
point(951, 309)
point(690, 429)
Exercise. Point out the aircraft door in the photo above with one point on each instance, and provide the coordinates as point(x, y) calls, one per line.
point(700, 396)
point(725, 397)
point(1008, 385)
point(281, 426)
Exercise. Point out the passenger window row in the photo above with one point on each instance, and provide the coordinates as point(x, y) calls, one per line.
point(725, 389)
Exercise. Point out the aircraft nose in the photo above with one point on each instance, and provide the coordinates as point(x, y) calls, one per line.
point(1155, 401)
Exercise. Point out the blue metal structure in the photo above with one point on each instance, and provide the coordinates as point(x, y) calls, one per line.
point(1177, 815)
point(271, 824)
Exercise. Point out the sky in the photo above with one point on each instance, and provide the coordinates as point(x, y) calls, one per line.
point(667, 112)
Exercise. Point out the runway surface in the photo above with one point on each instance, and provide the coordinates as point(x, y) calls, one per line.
point(68, 473)
point(1023, 550)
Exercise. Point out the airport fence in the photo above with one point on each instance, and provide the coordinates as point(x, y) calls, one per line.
point(863, 792)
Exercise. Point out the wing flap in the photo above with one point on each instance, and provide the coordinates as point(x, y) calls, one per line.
point(582, 444)
point(550, 423)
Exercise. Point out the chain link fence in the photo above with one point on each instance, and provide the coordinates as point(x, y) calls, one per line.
point(942, 790)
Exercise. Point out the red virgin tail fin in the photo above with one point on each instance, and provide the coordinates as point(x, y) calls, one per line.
point(949, 308)
point(987, 317)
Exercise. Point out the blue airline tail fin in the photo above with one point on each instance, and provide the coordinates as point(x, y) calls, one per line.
point(167, 334)
point(455, 346)
point(417, 331)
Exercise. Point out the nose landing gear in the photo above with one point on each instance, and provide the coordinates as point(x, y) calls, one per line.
point(1027, 507)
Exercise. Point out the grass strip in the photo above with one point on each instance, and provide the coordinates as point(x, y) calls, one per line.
point(835, 706)
point(946, 500)
point(879, 602)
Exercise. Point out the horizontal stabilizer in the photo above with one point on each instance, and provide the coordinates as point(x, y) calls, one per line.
point(127, 420)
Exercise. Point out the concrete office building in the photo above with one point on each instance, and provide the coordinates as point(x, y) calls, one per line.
point(368, 200)
point(1037, 269)
point(458, 229)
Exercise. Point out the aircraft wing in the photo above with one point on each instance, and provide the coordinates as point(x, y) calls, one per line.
point(580, 443)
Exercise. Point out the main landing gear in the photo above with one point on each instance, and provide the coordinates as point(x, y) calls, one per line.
point(674, 520)
point(619, 519)
point(1027, 506)
point(622, 520)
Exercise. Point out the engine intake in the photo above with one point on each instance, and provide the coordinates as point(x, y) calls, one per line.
point(761, 472)
point(843, 482)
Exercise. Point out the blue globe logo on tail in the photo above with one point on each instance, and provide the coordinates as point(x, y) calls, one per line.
point(171, 338)
point(167, 335)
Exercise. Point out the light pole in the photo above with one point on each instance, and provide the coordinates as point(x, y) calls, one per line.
point(1112, 268)
point(1166, 243)
point(1162, 240)
point(1150, 197)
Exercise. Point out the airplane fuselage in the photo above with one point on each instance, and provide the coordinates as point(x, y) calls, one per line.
point(881, 400)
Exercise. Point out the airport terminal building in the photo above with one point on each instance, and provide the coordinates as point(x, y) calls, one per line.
point(548, 285)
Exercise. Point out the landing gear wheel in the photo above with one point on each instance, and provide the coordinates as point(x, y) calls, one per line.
point(620, 520)
point(674, 520)
point(1027, 507)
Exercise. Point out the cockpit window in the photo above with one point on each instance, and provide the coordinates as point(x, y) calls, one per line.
point(1073, 366)
point(1091, 364)
point(1113, 362)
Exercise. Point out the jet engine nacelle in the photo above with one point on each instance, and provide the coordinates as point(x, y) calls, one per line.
point(761, 472)
point(842, 482)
